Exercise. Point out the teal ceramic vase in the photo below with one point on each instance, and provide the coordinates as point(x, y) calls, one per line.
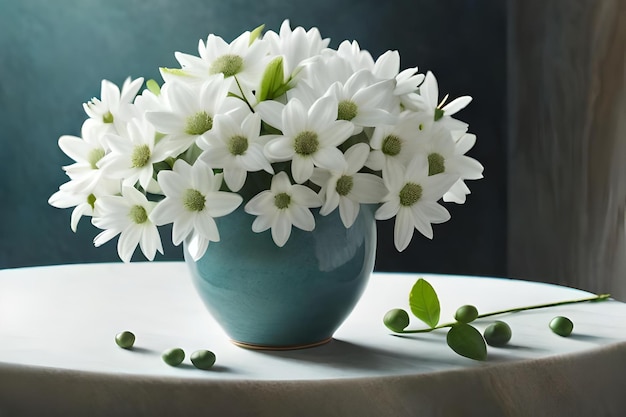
point(292, 297)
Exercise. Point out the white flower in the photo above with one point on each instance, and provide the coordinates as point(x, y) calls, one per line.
point(240, 59)
point(131, 158)
point(309, 138)
point(74, 194)
point(407, 83)
point(282, 206)
point(187, 114)
point(468, 168)
point(359, 59)
point(114, 108)
point(441, 112)
point(128, 216)
point(235, 145)
point(395, 145)
point(360, 101)
point(86, 151)
point(349, 188)
point(412, 198)
point(295, 46)
point(319, 74)
point(192, 201)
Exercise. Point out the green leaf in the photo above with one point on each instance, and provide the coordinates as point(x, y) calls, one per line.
point(256, 33)
point(467, 341)
point(424, 303)
point(273, 80)
point(153, 86)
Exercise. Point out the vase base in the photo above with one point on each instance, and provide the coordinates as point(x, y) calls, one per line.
point(271, 347)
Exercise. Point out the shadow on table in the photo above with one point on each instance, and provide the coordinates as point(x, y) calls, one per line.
point(346, 355)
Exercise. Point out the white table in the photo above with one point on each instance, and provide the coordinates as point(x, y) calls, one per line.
point(58, 355)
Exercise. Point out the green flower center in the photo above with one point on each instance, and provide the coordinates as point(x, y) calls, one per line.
point(193, 200)
point(344, 185)
point(347, 110)
point(392, 145)
point(107, 117)
point(94, 156)
point(228, 65)
point(91, 200)
point(282, 200)
point(421, 126)
point(410, 194)
point(436, 164)
point(138, 214)
point(238, 145)
point(140, 156)
point(199, 123)
point(306, 143)
point(438, 114)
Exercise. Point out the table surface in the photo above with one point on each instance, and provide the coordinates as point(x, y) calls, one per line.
point(64, 319)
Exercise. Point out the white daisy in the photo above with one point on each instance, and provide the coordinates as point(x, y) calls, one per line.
point(359, 59)
point(412, 198)
point(320, 73)
point(131, 158)
point(240, 59)
point(349, 188)
point(114, 108)
point(468, 168)
point(407, 83)
point(447, 156)
point(128, 216)
point(282, 206)
point(74, 194)
point(192, 201)
point(188, 114)
point(309, 138)
point(394, 146)
point(86, 151)
point(440, 111)
point(295, 45)
point(360, 101)
point(235, 145)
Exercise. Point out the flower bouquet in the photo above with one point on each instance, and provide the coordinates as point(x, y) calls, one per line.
point(278, 123)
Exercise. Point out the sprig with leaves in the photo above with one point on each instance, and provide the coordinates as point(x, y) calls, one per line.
point(462, 338)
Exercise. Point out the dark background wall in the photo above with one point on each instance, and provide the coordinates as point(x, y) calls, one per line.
point(53, 55)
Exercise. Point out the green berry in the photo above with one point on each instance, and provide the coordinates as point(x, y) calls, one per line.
point(125, 339)
point(203, 359)
point(173, 357)
point(396, 320)
point(498, 334)
point(562, 326)
point(466, 314)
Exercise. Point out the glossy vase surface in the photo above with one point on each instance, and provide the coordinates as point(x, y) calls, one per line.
point(296, 296)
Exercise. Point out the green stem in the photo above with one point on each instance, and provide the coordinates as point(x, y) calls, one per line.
point(243, 95)
point(601, 297)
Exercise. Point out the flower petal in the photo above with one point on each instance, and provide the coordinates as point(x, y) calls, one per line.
point(329, 158)
point(206, 227)
point(235, 178)
point(403, 229)
point(281, 230)
point(387, 210)
point(456, 105)
point(221, 203)
point(271, 112)
point(128, 241)
point(367, 188)
point(348, 210)
point(302, 218)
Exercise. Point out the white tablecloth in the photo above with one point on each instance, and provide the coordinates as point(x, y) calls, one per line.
point(58, 355)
